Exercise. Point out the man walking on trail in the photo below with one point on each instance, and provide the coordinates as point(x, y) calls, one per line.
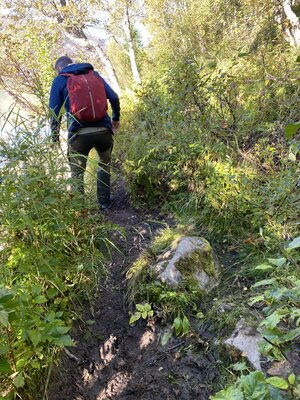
point(84, 93)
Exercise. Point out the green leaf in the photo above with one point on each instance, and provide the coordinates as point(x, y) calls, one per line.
point(211, 64)
point(292, 156)
point(90, 322)
point(5, 366)
point(254, 386)
point(3, 349)
point(5, 294)
point(35, 364)
point(230, 393)
point(140, 307)
point(272, 335)
point(166, 337)
point(36, 289)
point(63, 303)
point(63, 341)
point(35, 337)
point(239, 366)
point(135, 317)
point(256, 299)
point(50, 317)
point(4, 318)
point(185, 325)
point(199, 315)
point(277, 382)
point(177, 324)
point(144, 314)
point(22, 360)
point(277, 294)
point(263, 267)
point(59, 314)
point(49, 200)
point(291, 335)
point(265, 282)
point(291, 130)
point(52, 292)
point(40, 299)
point(273, 320)
point(295, 147)
point(294, 244)
point(278, 262)
point(243, 54)
point(274, 393)
point(292, 379)
point(19, 380)
point(60, 284)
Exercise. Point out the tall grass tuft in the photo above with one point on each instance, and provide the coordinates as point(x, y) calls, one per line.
point(50, 257)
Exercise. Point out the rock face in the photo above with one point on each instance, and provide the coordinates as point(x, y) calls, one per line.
point(190, 258)
point(245, 339)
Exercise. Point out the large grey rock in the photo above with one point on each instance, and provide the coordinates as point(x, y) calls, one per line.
point(191, 258)
point(245, 340)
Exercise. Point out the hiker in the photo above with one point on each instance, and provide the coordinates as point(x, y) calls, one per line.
point(83, 93)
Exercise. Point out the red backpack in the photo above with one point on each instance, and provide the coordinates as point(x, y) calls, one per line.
point(87, 96)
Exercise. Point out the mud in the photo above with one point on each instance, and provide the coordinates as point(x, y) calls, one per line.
point(113, 360)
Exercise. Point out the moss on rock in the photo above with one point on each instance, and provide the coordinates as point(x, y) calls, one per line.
point(192, 259)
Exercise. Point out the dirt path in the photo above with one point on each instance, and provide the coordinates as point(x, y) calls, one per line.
point(113, 360)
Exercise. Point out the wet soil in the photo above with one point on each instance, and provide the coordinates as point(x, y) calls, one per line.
point(113, 360)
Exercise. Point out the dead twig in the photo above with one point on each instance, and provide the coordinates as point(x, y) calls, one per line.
point(163, 354)
point(71, 356)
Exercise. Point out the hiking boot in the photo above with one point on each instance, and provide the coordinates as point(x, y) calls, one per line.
point(105, 206)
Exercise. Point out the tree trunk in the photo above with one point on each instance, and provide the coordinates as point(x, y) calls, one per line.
point(77, 35)
point(293, 31)
point(131, 53)
point(109, 68)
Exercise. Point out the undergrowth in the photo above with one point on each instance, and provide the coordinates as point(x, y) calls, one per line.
point(210, 151)
point(50, 259)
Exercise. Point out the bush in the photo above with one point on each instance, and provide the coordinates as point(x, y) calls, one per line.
point(49, 256)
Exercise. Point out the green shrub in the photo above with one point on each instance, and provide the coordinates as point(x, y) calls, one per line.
point(49, 259)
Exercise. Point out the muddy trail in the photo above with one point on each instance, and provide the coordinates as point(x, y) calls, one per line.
point(113, 360)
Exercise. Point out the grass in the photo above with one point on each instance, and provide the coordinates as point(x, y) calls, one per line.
point(51, 258)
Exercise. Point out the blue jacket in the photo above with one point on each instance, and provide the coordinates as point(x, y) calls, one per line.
point(59, 98)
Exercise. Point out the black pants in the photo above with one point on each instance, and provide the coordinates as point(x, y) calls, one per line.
point(101, 139)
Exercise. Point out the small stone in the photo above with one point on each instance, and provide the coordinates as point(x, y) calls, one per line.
point(225, 307)
point(121, 363)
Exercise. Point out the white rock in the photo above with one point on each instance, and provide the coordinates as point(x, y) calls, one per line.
point(246, 339)
point(191, 257)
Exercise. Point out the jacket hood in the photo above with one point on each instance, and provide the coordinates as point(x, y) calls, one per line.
point(77, 69)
